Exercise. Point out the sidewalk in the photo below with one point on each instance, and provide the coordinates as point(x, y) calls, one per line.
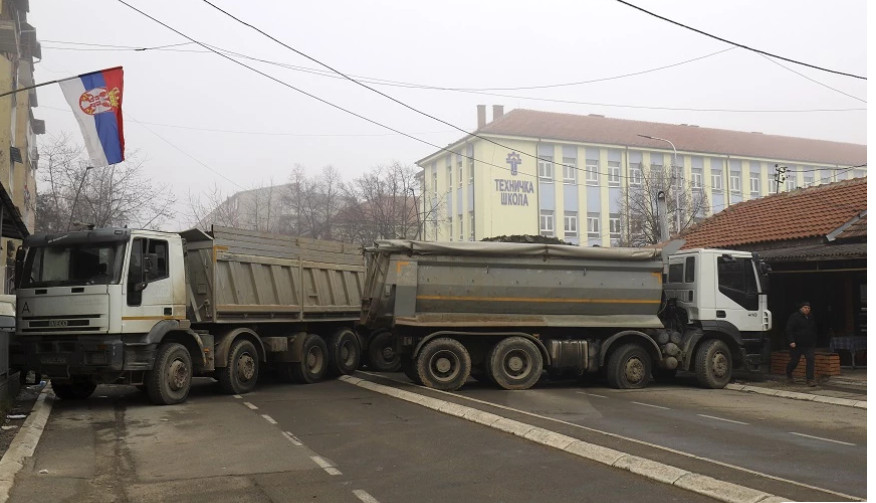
point(848, 389)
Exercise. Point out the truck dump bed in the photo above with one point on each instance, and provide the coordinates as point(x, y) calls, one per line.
point(511, 284)
point(237, 275)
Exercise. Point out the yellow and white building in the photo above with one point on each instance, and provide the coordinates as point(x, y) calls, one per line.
point(562, 175)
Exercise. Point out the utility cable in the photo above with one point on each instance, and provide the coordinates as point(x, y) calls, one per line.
point(822, 84)
point(701, 32)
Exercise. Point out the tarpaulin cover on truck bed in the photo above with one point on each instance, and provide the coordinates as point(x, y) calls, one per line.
point(480, 248)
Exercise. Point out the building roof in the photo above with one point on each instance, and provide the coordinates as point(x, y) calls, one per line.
point(799, 214)
point(686, 138)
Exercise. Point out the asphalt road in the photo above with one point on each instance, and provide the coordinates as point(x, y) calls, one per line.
point(335, 441)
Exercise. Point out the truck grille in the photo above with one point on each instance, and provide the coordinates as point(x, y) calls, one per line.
point(59, 324)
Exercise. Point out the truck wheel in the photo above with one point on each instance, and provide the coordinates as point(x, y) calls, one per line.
point(515, 363)
point(713, 364)
point(382, 355)
point(239, 376)
point(75, 389)
point(629, 367)
point(170, 379)
point(314, 361)
point(444, 364)
point(409, 367)
point(345, 353)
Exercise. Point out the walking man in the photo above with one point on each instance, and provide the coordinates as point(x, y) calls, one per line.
point(801, 333)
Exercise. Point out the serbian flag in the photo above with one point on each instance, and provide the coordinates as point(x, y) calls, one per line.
point(96, 100)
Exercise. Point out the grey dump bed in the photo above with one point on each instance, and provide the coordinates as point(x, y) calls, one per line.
point(512, 284)
point(237, 275)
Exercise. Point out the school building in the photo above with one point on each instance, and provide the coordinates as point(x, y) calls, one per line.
point(566, 176)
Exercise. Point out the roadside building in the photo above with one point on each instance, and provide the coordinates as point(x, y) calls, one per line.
point(571, 176)
point(815, 241)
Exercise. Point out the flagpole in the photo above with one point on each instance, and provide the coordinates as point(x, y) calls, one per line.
point(28, 88)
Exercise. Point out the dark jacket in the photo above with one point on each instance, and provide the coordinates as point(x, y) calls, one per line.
point(801, 329)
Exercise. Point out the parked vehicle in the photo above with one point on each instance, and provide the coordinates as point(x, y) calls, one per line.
point(154, 309)
point(505, 312)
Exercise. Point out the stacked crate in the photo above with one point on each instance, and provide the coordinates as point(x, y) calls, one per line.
point(826, 364)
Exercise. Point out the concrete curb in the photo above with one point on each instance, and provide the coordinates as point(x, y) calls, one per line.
point(654, 470)
point(796, 395)
point(25, 442)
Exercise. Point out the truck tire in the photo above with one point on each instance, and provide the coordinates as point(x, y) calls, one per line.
point(443, 364)
point(240, 374)
point(345, 353)
point(314, 361)
point(382, 355)
point(629, 367)
point(713, 364)
point(514, 363)
point(409, 367)
point(74, 389)
point(170, 379)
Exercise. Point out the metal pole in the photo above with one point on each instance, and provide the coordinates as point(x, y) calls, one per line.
point(678, 179)
point(76, 199)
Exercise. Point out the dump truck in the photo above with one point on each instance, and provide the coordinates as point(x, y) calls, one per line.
point(507, 312)
point(154, 309)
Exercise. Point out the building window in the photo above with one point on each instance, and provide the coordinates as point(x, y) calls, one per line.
point(791, 181)
point(546, 167)
point(459, 175)
point(735, 181)
point(459, 225)
point(449, 177)
point(774, 185)
point(696, 179)
point(592, 172)
point(570, 224)
point(860, 173)
point(471, 235)
point(717, 180)
point(614, 226)
point(546, 223)
point(636, 175)
point(808, 179)
point(754, 184)
point(570, 170)
point(593, 225)
point(435, 179)
point(614, 173)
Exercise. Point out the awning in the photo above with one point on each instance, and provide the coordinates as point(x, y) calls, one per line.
point(12, 225)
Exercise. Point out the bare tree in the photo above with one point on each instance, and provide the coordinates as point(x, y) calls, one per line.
point(71, 191)
point(641, 224)
point(213, 208)
point(381, 204)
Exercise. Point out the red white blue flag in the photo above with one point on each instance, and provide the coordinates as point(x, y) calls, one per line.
point(96, 100)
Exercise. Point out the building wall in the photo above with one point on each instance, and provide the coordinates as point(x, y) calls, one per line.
point(578, 207)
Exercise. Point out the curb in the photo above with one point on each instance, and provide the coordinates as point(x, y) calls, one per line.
point(25, 442)
point(654, 470)
point(796, 395)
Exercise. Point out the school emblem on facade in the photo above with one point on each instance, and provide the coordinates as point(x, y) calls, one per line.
point(514, 160)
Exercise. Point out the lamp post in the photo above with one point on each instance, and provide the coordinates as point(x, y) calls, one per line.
point(76, 199)
point(674, 161)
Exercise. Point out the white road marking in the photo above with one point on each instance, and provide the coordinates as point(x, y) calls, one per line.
point(722, 419)
point(821, 438)
point(325, 465)
point(591, 394)
point(292, 438)
point(651, 405)
point(269, 419)
point(615, 435)
point(251, 406)
point(364, 497)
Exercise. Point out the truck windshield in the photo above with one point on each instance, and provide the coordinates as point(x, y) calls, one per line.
point(74, 264)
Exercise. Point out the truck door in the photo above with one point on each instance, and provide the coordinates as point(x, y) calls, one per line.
point(738, 299)
point(149, 293)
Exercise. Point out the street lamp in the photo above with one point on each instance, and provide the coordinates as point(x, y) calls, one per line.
point(678, 180)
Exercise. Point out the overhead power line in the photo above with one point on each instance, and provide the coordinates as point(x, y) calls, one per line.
point(752, 49)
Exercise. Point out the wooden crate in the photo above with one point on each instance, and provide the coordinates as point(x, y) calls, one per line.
point(826, 364)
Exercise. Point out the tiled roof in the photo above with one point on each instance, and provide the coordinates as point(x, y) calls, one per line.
point(603, 130)
point(799, 214)
point(814, 252)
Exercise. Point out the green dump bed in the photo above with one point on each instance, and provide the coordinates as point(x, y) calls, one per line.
point(511, 285)
point(235, 275)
